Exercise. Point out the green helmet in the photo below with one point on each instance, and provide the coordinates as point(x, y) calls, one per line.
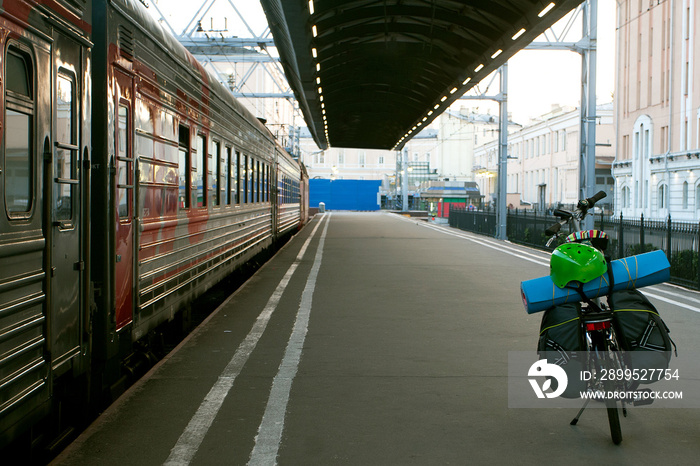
point(576, 262)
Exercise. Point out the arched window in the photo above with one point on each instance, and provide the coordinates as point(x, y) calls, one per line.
point(626, 197)
point(642, 150)
point(663, 196)
point(685, 194)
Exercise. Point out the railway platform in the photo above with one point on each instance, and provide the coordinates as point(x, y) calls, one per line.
point(375, 339)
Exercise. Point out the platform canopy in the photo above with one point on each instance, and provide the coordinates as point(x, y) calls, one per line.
point(383, 69)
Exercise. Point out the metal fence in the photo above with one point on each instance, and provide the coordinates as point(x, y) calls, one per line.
point(680, 241)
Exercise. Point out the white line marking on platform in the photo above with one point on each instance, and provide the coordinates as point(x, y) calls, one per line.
point(269, 438)
point(502, 247)
point(499, 247)
point(674, 293)
point(190, 440)
point(670, 301)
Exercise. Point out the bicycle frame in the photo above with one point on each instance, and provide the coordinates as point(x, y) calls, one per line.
point(597, 326)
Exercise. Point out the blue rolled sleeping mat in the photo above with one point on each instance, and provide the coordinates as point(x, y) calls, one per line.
point(631, 272)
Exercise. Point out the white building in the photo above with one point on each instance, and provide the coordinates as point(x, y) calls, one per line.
point(543, 160)
point(657, 110)
point(442, 151)
point(361, 164)
point(459, 133)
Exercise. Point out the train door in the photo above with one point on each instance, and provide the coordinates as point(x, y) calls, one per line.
point(66, 182)
point(124, 200)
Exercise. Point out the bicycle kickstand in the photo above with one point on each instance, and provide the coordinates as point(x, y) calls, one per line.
point(574, 421)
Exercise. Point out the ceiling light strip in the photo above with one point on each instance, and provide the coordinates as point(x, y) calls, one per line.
point(546, 10)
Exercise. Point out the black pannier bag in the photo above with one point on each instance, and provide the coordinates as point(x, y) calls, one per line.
point(641, 331)
point(561, 343)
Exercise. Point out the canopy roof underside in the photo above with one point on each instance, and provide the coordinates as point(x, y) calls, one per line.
point(366, 72)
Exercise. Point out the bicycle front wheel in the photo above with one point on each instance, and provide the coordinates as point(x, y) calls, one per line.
point(614, 421)
point(607, 360)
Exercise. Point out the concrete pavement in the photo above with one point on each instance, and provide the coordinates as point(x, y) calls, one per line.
point(404, 360)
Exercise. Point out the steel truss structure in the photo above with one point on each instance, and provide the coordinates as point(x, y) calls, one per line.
point(587, 12)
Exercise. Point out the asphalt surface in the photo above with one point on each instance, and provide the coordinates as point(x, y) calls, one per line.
point(399, 356)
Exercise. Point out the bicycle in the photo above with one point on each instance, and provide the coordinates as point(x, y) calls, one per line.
point(578, 260)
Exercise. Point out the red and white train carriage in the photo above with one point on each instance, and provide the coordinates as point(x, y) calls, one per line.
point(132, 182)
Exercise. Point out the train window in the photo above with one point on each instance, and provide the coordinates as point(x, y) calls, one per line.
point(19, 134)
point(224, 177)
point(267, 183)
point(246, 175)
point(235, 164)
point(263, 177)
point(18, 73)
point(260, 178)
point(144, 117)
point(257, 181)
point(64, 110)
point(198, 186)
point(215, 177)
point(253, 181)
point(184, 169)
point(18, 161)
point(124, 165)
point(65, 161)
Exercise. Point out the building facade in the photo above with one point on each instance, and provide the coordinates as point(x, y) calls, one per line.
point(543, 160)
point(443, 151)
point(459, 133)
point(657, 110)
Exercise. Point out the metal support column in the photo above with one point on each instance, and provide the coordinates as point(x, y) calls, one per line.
point(502, 176)
point(501, 208)
point(588, 105)
point(404, 180)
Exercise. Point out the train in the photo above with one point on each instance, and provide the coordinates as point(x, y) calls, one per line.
point(132, 183)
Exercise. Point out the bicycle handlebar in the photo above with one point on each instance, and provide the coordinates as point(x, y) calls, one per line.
point(581, 209)
point(590, 202)
point(562, 214)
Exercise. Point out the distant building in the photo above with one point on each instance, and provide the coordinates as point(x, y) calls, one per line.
point(443, 151)
point(657, 110)
point(438, 197)
point(543, 160)
point(460, 132)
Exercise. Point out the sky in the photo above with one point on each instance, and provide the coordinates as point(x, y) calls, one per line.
point(537, 79)
point(557, 79)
